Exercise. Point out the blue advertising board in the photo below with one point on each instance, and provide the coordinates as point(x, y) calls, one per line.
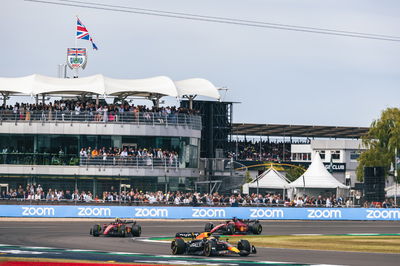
point(161, 212)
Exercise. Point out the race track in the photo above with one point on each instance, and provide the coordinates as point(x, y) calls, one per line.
point(67, 235)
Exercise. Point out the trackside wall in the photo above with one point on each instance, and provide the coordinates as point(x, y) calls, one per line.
point(148, 212)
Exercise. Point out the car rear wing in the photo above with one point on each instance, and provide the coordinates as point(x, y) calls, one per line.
point(188, 234)
point(251, 220)
point(129, 222)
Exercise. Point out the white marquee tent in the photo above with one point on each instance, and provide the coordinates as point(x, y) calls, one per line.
point(393, 190)
point(316, 180)
point(270, 179)
point(101, 85)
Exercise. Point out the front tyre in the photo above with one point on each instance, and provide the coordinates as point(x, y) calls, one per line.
point(178, 246)
point(244, 245)
point(256, 228)
point(95, 231)
point(136, 230)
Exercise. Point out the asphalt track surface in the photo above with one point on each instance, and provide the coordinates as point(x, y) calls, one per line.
point(63, 236)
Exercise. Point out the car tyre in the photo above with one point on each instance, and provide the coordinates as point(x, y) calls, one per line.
point(122, 231)
point(244, 245)
point(136, 230)
point(256, 228)
point(208, 227)
point(209, 248)
point(230, 229)
point(178, 246)
point(96, 230)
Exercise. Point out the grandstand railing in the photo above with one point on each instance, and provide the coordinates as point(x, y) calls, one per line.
point(74, 160)
point(138, 118)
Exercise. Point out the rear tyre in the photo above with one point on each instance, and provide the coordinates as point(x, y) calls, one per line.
point(208, 227)
point(256, 228)
point(209, 248)
point(136, 230)
point(122, 231)
point(245, 246)
point(230, 229)
point(178, 246)
point(96, 230)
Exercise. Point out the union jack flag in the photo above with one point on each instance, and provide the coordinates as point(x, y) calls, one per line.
point(82, 33)
point(77, 51)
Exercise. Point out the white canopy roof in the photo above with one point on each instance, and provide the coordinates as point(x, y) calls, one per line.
point(17, 85)
point(317, 176)
point(141, 87)
point(99, 84)
point(197, 86)
point(49, 85)
point(269, 179)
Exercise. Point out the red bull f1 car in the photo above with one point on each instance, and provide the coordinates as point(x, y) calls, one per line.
point(204, 244)
point(235, 226)
point(119, 228)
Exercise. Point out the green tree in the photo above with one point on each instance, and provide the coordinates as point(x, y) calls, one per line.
point(292, 173)
point(247, 177)
point(381, 141)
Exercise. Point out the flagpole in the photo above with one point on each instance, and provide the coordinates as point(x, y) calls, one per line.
point(76, 43)
point(76, 46)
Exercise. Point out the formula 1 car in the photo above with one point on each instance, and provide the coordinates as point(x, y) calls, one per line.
point(118, 228)
point(208, 245)
point(235, 226)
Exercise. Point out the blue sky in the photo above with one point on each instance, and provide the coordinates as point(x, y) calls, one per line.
point(279, 77)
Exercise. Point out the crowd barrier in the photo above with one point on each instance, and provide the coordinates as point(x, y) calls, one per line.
point(148, 212)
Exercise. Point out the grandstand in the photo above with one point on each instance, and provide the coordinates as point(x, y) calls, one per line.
point(193, 146)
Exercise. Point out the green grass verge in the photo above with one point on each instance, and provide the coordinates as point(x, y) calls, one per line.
point(351, 243)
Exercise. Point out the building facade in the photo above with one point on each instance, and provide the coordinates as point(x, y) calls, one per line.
point(340, 154)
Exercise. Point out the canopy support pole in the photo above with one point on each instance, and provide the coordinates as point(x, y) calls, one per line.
point(43, 98)
point(156, 100)
point(284, 194)
point(5, 97)
point(190, 98)
point(97, 100)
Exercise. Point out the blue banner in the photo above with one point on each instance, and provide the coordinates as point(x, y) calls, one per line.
point(160, 212)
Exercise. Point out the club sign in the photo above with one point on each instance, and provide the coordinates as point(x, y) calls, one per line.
point(76, 58)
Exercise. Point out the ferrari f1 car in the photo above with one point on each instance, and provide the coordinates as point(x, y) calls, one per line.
point(208, 245)
point(120, 228)
point(235, 226)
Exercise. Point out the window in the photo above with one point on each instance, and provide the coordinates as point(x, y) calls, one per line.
point(322, 154)
point(301, 156)
point(354, 155)
point(335, 155)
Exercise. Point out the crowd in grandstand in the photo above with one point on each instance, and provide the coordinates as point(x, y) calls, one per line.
point(138, 197)
point(264, 150)
point(90, 155)
point(97, 112)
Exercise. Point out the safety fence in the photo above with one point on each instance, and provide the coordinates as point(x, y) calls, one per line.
point(147, 212)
